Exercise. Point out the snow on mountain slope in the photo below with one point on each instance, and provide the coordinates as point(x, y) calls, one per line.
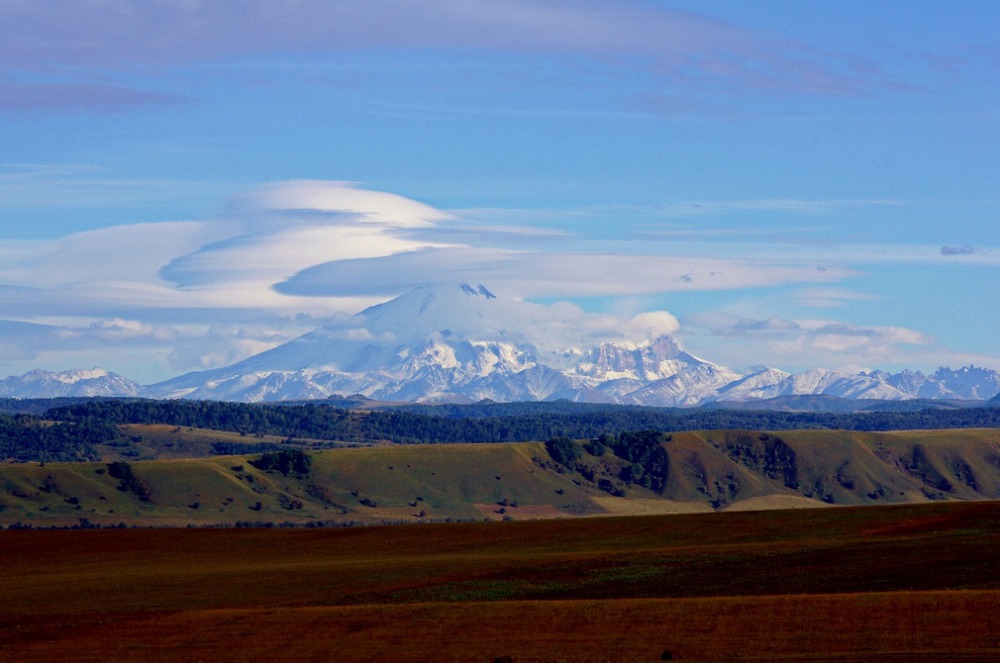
point(436, 343)
point(77, 382)
point(692, 386)
point(829, 383)
point(653, 360)
point(462, 343)
point(968, 382)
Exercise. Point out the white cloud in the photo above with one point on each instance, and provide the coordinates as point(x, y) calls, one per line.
point(119, 254)
point(175, 296)
point(93, 289)
point(552, 274)
point(357, 205)
point(655, 323)
point(229, 262)
point(840, 338)
point(801, 344)
point(220, 345)
point(119, 330)
point(287, 227)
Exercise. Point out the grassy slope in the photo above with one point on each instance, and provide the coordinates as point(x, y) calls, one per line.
point(889, 583)
point(346, 485)
point(162, 441)
point(708, 470)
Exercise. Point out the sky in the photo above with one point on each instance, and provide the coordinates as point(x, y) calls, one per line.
point(794, 184)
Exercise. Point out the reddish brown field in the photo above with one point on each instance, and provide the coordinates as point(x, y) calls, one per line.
point(872, 583)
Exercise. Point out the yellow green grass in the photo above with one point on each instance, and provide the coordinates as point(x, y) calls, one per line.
point(422, 483)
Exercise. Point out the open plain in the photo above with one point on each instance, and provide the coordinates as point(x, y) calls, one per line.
point(905, 582)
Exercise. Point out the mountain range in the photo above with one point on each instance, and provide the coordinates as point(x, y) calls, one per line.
point(462, 343)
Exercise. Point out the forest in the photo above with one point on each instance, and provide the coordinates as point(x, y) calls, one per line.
point(68, 430)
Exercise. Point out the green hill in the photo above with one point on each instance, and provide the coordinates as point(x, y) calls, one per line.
point(698, 471)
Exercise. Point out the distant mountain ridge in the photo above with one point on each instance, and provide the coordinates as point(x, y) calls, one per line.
point(463, 343)
point(78, 382)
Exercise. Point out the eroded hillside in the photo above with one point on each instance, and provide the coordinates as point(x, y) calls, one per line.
point(642, 473)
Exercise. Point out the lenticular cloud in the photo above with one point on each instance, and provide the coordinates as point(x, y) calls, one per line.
point(283, 256)
point(285, 228)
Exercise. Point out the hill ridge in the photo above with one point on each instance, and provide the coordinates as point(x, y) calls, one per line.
point(696, 471)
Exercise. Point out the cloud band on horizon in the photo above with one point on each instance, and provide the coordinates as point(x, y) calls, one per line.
point(287, 255)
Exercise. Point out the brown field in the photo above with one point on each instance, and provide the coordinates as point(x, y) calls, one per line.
point(894, 583)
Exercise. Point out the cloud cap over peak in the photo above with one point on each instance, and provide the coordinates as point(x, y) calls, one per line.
point(288, 257)
point(321, 200)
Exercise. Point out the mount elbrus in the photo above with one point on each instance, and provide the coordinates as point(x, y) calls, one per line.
point(462, 343)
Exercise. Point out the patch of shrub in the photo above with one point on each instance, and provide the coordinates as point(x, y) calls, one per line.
point(599, 446)
point(644, 449)
point(291, 461)
point(128, 482)
point(563, 450)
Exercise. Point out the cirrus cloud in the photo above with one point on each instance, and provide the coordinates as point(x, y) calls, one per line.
point(85, 53)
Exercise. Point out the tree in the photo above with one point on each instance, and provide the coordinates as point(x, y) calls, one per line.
point(286, 462)
point(128, 482)
point(563, 450)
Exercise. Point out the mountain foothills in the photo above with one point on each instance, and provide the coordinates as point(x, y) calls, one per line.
point(461, 343)
point(173, 475)
point(104, 461)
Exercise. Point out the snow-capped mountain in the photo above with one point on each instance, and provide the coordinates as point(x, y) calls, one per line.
point(456, 343)
point(78, 382)
point(463, 343)
point(967, 382)
point(459, 343)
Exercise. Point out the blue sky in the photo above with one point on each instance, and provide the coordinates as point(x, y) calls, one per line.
point(798, 184)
